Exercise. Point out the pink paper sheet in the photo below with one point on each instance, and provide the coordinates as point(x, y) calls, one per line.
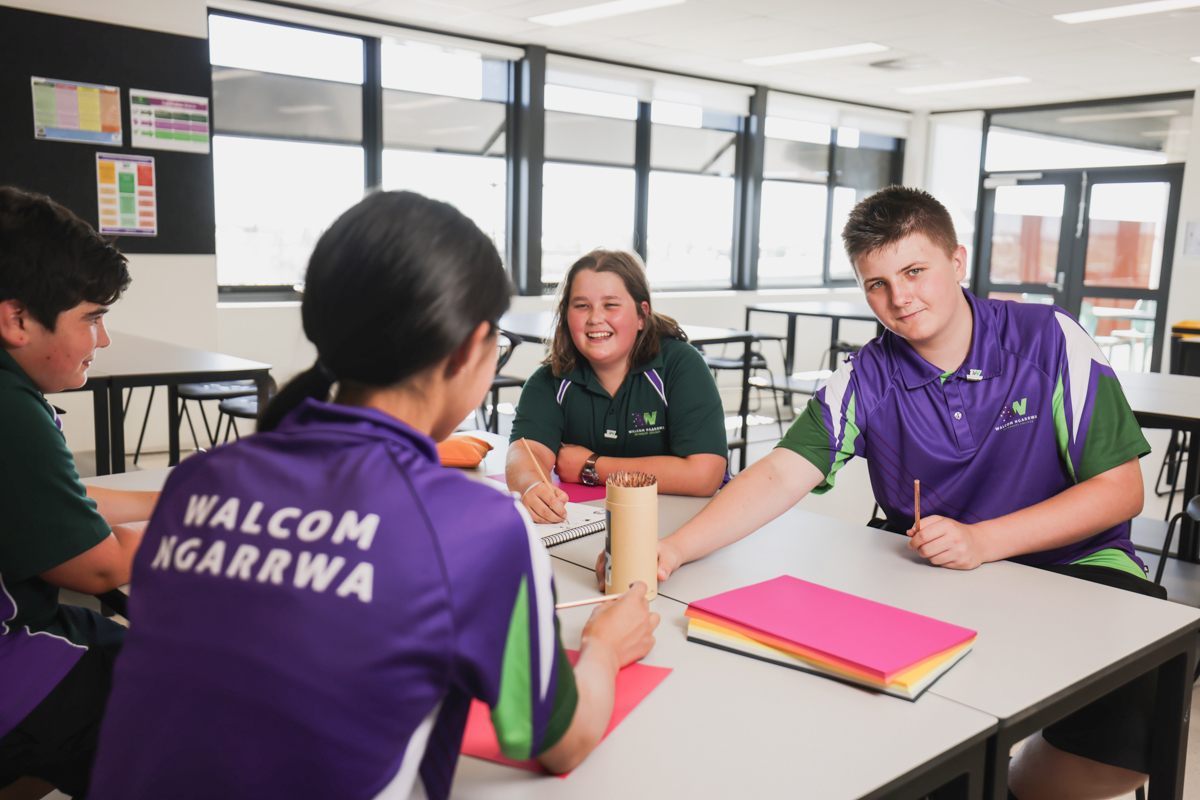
point(634, 682)
point(879, 639)
point(576, 492)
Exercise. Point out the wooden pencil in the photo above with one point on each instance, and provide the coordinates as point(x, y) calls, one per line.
point(917, 505)
point(593, 601)
point(536, 463)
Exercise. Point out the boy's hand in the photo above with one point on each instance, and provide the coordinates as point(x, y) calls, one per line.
point(669, 560)
point(570, 461)
point(947, 543)
point(546, 503)
point(625, 628)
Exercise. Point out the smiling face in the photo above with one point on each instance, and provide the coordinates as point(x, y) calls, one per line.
point(603, 318)
point(56, 360)
point(913, 288)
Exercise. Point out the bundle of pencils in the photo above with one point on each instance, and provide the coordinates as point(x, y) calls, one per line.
point(632, 480)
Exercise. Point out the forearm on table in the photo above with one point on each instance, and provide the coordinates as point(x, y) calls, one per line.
point(118, 507)
point(595, 679)
point(105, 566)
point(696, 475)
point(520, 469)
point(759, 494)
point(1083, 510)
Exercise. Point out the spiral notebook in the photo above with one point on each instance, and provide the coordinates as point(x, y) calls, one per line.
point(581, 521)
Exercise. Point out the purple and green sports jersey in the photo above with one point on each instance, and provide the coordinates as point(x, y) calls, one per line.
point(315, 609)
point(1034, 409)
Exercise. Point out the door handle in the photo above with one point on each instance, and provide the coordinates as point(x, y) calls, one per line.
point(1058, 285)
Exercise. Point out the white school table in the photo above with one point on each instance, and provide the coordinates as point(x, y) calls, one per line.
point(724, 726)
point(1047, 645)
point(1162, 400)
point(137, 361)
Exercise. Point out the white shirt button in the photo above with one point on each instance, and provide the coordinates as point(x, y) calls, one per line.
point(958, 415)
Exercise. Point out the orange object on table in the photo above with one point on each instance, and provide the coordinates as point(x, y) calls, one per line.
point(464, 452)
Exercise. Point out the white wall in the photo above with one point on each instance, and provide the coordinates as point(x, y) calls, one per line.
point(184, 17)
point(1184, 302)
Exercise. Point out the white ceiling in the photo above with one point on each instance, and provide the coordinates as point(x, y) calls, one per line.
point(967, 40)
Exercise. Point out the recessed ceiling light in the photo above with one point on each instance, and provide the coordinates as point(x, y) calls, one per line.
point(1196, 59)
point(817, 55)
point(600, 11)
point(1162, 112)
point(1131, 10)
point(950, 87)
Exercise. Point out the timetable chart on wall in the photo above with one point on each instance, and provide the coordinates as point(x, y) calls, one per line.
point(127, 195)
point(69, 111)
point(164, 121)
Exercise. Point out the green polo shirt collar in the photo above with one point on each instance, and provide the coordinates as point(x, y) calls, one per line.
point(584, 376)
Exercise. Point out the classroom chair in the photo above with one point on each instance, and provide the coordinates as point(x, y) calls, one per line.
point(199, 392)
point(507, 342)
point(1193, 511)
point(758, 363)
point(241, 407)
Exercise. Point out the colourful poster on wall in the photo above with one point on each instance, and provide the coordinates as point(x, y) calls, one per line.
point(69, 111)
point(164, 121)
point(128, 195)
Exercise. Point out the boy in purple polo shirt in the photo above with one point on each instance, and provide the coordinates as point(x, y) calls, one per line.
point(317, 605)
point(57, 279)
point(1020, 435)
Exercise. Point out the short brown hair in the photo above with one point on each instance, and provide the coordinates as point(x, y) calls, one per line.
point(563, 354)
point(893, 214)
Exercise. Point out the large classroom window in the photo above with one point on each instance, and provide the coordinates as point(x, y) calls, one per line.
point(820, 159)
point(444, 117)
point(287, 149)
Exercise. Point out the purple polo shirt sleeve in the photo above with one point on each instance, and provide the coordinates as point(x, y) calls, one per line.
point(509, 653)
point(1094, 426)
point(829, 431)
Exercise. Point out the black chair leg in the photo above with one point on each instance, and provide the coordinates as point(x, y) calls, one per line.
point(493, 423)
point(1166, 548)
point(188, 415)
point(138, 452)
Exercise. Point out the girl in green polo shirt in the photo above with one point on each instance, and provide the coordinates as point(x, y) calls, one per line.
point(621, 389)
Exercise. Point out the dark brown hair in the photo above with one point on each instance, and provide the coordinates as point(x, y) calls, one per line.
point(51, 260)
point(563, 352)
point(893, 214)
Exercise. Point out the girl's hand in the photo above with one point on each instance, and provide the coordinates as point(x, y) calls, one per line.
point(669, 560)
point(947, 543)
point(546, 503)
point(569, 465)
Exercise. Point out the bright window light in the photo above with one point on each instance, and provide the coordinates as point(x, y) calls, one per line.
point(817, 55)
point(1115, 116)
point(600, 11)
point(847, 137)
point(431, 70)
point(587, 101)
point(797, 130)
point(951, 87)
point(1131, 10)
point(678, 114)
point(282, 50)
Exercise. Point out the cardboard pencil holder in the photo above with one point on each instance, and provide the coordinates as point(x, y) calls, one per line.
point(631, 541)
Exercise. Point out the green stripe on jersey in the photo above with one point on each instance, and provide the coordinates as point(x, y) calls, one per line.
point(1061, 435)
point(1114, 435)
point(1112, 558)
point(566, 698)
point(513, 714)
point(808, 437)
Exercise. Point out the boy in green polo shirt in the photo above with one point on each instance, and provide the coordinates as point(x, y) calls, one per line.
point(57, 279)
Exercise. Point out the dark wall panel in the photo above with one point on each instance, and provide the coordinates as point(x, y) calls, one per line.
point(91, 52)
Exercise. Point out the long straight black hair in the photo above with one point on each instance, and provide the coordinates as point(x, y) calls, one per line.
point(394, 286)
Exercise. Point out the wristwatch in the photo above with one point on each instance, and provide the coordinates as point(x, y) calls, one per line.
point(588, 473)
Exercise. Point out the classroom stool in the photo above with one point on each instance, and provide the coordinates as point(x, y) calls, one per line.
point(223, 390)
point(237, 408)
point(492, 416)
point(1193, 511)
point(757, 364)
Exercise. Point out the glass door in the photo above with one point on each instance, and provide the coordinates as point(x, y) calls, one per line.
point(1097, 243)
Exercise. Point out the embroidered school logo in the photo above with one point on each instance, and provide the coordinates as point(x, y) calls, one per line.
point(1013, 414)
point(644, 420)
point(644, 423)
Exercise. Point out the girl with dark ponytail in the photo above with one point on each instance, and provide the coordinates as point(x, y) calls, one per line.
point(332, 597)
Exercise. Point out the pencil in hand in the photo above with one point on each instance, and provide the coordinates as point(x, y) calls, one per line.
point(917, 506)
point(606, 598)
point(538, 466)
